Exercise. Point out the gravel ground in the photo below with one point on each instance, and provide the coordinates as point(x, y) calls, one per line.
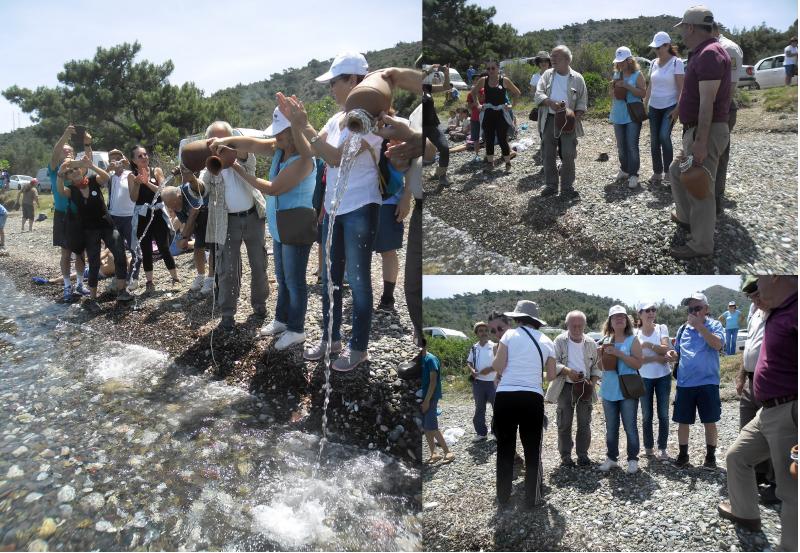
point(661, 508)
point(369, 407)
point(601, 232)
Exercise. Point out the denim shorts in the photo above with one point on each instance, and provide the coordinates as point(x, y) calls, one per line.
point(429, 420)
point(474, 130)
point(390, 233)
point(791, 70)
point(3, 218)
point(704, 400)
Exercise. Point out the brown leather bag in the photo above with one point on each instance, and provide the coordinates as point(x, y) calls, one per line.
point(632, 385)
point(637, 112)
point(582, 391)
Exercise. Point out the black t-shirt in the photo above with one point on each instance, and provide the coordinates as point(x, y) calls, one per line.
point(92, 209)
point(429, 117)
point(495, 95)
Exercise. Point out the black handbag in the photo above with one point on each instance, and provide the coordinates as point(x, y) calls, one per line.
point(534, 114)
point(632, 385)
point(297, 226)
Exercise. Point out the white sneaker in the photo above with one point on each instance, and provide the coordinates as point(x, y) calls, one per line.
point(633, 181)
point(622, 175)
point(633, 466)
point(607, 465)
point(272, 328)
point(289, 338)
point(208, 286)
point(197, 283)
point(663, 455)
point(317, 352)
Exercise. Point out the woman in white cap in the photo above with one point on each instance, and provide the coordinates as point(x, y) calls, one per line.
point(620, 342)
point(356, 219)
point(292, 178)
point(663, 92)
point(656, 375)
point(627, 76)
point(522, 355)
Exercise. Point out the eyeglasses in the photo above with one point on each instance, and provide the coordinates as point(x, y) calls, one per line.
point(696, 309)
point(650, 310)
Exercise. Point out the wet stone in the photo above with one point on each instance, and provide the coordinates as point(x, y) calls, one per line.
point(93, 501)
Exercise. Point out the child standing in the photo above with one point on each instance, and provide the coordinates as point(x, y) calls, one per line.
point(479, 360)
point(432, 393)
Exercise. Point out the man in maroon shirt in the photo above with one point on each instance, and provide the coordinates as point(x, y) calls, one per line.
point(773, 432)
point(703, 111)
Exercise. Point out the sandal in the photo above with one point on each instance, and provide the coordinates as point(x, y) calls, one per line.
point(449, 458)
point(433, 459)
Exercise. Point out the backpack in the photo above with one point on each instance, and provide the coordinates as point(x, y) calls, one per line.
point(678, 350)
point(319, 188)
point(391, 180)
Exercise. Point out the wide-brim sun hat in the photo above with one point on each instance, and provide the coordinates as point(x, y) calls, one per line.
point(622, 53)
point(526, 308)
point(479, 324)
point(279, 123)
point(750, 284)
point(541, 55)
point(346, 63)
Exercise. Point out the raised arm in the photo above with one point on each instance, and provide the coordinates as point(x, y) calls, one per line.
point(58, 149)
point(287, 179)
point(407, 79)
point(248, 144)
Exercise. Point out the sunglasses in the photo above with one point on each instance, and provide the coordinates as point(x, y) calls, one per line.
point(650, 310)
point(498, 330)
point(695, 309)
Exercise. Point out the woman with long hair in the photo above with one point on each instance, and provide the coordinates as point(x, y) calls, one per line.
point(628, 79)
point(522, 355)
point(620, 342)
point(496, 115)
point(143, 183)
point(657, 377)
point(661, 99)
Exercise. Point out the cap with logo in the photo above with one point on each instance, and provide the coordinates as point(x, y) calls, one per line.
point(346, 63)
point(622, 53)
point(660, 39)
point(279, 123)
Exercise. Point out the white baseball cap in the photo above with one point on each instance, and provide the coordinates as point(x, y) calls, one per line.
point(660, 39)
point(616, 310)
point(279, 123)
point(699, 296)
point(623, 53)
point(346, 63)
point(645, 305)
point(731, 304)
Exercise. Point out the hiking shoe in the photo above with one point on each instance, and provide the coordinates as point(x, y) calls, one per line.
point(508, 167)
point(648, 452)
point(478, 438)
point(68, 293)
point(208, 286)
point(197, 283)
point(710, 462)
point(663, 455)
point(274, 327)
point(149, 288)
point(227, 322)
point(443, 181)
point(549, 190)
point(567, 462)
point(607, 465)
point(91, 305)
point(349, 360)
point(81, 289)
point(476, 159)
point(673, 216)
point(633, 181)
point(682, 460)
point(385, 305)
point(124, 296)
point(317, 352)
point(622, 175)
point(655, 180)
point(768, 496)
point(633, 466)
point(289, 339)
point(584, 462)
point(725, 511)
point(685, 252)
point(111, 286)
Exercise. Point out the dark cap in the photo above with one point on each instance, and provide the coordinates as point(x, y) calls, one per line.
point(750, 284)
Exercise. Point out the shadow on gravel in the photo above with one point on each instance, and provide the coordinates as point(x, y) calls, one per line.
point(580, 479)
point(636, 488)
point(619, 191)
point(733, 247)
point(542, 214)
point(482, 452)
point(517, 528)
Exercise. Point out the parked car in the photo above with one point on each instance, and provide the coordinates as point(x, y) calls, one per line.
point(43, 177)
point(596, 336)
point(455, 78)
point(17, 181)
point(98, 158)
point(770, 72)
point(444, 333)
point(747, 78)
point(741, 338)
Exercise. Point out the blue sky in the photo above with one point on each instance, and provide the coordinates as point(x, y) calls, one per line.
point(629, 289)
point(215, 44)
point(778, 14)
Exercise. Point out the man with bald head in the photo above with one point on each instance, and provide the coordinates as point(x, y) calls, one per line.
point(773, 431)
point(572, 390)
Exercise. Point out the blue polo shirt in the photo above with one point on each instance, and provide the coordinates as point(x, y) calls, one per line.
point(699, 365)
point(431, 364)
point(732, 319)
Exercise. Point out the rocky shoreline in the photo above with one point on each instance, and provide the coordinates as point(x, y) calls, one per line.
point(370, 407)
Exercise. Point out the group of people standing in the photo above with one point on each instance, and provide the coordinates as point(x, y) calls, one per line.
point(634, 363)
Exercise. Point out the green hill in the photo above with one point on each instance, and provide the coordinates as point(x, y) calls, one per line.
point(463, 310)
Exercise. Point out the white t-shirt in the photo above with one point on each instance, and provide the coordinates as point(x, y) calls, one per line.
point(558, 92)
point(362, 188)
point(535, 79)
point(737, 58)
point(523, 372)
point(121, 203)
point(663, 88)
point(575, 359)
point(485, 356)
point(789, 50)
point(755, 337)
point(238, 194)
point(652, 369)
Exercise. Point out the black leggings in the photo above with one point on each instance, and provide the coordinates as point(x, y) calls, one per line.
point(113, 241)
point(437, 137)
point(526, 411)
point(494, 124)
point(159, 232)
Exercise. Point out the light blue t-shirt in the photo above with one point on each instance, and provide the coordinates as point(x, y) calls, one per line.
point(699, 363)
point(732, 319)
point(609, 386)
point(60, 203)
point(619, 110)
point(300, 196)
point(430, 363)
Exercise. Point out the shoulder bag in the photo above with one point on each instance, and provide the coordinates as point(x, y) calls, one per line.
point(636, 110)
point(678, 351)
point(631, 385)
point(296, 226)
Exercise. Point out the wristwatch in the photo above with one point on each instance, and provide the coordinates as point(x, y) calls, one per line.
point(314, 139)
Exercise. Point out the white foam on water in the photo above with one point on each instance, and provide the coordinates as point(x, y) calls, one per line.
point(129, 363)
point(293, 526)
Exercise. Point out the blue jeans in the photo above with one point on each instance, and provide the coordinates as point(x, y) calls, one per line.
point(123, 225)
point(351, 246)
point(482, 392)
point(662, 387)
point(730, 340)
point(628, 146)
point(290, 274)
point(660, 138)
point(626, 410)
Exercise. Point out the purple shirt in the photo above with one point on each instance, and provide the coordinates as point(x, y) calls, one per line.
point(776, 369)
point(709, 62)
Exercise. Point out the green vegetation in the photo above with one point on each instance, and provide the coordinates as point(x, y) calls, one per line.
point(782, 98)
point(729, 366)
point(453, 357)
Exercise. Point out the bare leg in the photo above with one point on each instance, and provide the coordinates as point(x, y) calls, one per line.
point(711, 433)
point(683, 434)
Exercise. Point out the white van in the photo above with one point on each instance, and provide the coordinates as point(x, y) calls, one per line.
point(98, 158)
point(438, 78)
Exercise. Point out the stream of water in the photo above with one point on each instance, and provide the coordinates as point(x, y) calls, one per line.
point(111, 446)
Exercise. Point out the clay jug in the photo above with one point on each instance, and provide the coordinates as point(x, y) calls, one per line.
point(225, 158)
point(620, 93)
point(194, 155)
point(696, 179)
point(373, 95)
point(565, 120)
point(609, 361)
